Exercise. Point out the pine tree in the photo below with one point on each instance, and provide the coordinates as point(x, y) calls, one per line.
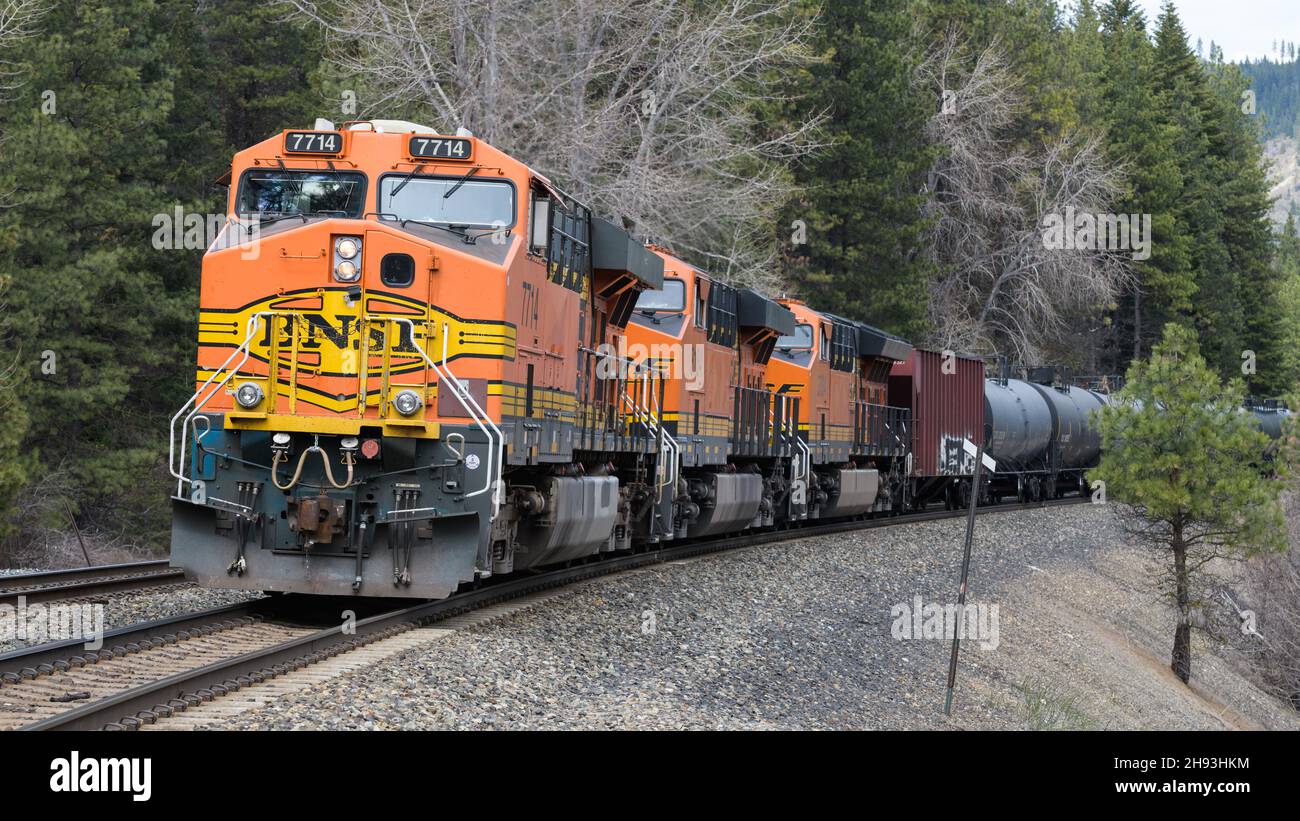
point(1222, 207)
point(863, 208)
point(83, 167)
point(1241, 196)
point(1183, 462)
point(1143, 139)
point(16, 462)
point(133, 107)
point(1286, 271)
point(1198, 131)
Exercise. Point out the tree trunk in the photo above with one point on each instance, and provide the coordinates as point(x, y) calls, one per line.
point(1137, 322)
point(1181, 663)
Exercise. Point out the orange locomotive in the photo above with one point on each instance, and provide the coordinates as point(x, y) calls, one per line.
point(421, 364)
point(732, 439)
point(855, 445)
point(389, 322)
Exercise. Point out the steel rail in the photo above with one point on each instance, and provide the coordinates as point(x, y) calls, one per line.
point(160, 699)
point(86, 581)
point(27, 661)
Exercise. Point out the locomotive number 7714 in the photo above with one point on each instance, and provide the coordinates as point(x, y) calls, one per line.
point(313, 142)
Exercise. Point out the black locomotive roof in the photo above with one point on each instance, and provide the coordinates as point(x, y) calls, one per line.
point(613, 249)
point(873, 342)
point(760, 311)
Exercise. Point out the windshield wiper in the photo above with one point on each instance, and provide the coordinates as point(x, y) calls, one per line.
point(461, 182)
point(652, 314)
point(267, 220)
point(459, 230)
point(415, 172)
point(303, 215)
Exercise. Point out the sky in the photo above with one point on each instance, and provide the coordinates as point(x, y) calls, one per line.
point(1243, 28)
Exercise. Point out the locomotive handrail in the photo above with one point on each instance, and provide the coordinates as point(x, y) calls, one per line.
point(669, 450)
point(673, 450)
point(177, 468)
point(480, 417)
point(647, 411)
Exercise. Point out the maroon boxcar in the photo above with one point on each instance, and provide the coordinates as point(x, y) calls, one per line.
point(945, 393)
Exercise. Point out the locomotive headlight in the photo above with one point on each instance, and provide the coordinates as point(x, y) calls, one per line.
point(249, 395)
point(347, 247)
point(407, 402)
point(346, 271)
point(347, 259)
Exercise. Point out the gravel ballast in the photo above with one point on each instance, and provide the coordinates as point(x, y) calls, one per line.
point(798, 636)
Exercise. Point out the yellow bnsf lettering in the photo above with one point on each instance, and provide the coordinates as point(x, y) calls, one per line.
point(789, 388)
point(320, 333)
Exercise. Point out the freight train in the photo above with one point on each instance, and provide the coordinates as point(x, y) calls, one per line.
point(421, 364)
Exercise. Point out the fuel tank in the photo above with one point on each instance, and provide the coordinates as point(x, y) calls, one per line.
point(728, 501)
point(1017, 424)
point(577, 520)
point(1073, 424)
point(1269, 416)
point(852, 492)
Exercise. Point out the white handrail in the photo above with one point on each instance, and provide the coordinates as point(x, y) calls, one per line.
point(669, 450)
point(480, 417)
point(673, 450)
point(173, 466)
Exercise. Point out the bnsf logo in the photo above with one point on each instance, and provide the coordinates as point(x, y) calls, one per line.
point(790, 388)
point(315, 330)
point(329, 330)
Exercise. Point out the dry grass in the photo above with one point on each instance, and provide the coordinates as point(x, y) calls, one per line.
point(1049, 707)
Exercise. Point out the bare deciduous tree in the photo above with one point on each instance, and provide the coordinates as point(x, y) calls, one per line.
point(1000, 289)
point(1269, 592)
point(646, 111)
point(19, 19)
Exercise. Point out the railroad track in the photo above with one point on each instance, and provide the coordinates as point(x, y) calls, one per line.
point(149, 672)
point(84, 582)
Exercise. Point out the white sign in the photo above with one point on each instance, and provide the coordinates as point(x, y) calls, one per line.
point(471, 461)
point(969, 447)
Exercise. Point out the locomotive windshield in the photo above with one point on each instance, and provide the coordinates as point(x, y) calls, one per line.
point(801, 339)
point(671, 298)
point(302, 193)
point(448, 201)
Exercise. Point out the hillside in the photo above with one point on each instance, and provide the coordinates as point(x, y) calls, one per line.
point(1277, 90)
point(1284, 182)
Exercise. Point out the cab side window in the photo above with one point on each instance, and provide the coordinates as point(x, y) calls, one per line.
point(824, 349)
point(701, 306)
point(539, 222)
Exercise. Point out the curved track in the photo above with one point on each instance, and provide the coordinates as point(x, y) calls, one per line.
point(81, 582)
point(151, 671)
